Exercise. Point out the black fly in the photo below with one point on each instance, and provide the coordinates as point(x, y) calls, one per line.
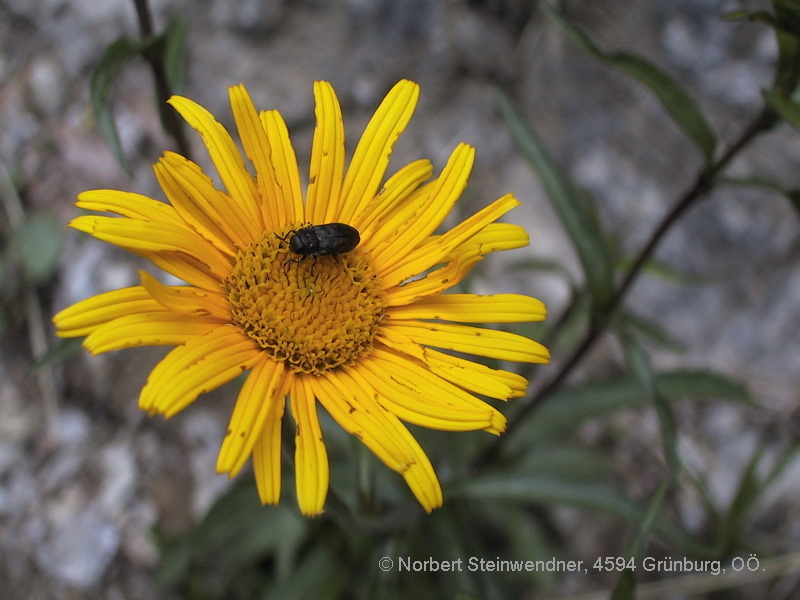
point(331, 239)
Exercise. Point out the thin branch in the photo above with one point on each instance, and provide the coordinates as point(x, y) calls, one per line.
point(163, 90)
point(703, 184)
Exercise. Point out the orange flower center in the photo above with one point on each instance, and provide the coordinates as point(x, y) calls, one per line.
point(317, 314)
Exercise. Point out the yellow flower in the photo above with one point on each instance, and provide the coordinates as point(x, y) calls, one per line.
point(354, 332)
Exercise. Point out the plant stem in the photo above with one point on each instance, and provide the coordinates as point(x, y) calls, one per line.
point(163, 90)
point(703, 184)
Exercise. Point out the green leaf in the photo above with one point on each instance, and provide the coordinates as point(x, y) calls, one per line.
point(666, 272)
point(625, 588)
point(115, 56)
point(765, 183)
point(636, 545)
point(37, 244)
point(567, 461)
point(639, 363)
point(551, 267)
point(787, 34)
point(747, 494)
point(236, 533)
point(789, 110)
point(526, 488)
point(649, 330)
point(317, 575)
point(174, 37)
point(573, 208)
point(167, 57)
point(752, 16)
point(526, 538)
point(675, 100)
point(64, 349)
point(572, 406)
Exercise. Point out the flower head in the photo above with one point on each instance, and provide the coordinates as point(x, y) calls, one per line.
point(360, 333)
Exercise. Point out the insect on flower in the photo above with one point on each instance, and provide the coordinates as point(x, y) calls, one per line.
point(332, 239)
point(376, 341)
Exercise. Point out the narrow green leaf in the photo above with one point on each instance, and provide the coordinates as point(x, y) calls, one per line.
point(236, 533)
point(747, 494)
point(573, 208)
point(666, 272)
point(782, 463)
point(649, 330)
point(115, 56)
point(551, 267)
point(37, 243)
point(530, 488)
point(765, 183)
point(752, 16)
point(639, 363)
point(572, 406)
point(167, 57)
point(175, 53)
point(702, 385)
point(625, 588)
point(794, 199)
point(675, 100)
point(64, 349)
point(787, 14)
point(636, 545)
point(526, 538)
point(788, 63)
point(317, 575)
point(789, 110)
point(566, 461)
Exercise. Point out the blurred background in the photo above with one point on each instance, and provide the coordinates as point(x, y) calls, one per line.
point(99, 501)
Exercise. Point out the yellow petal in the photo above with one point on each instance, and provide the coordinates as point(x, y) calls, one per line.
point(257, 148)
point(267, 453)
point(395, 191)
point(385, 231)
point(415, 395)
point(257, 399)
point(202, 205)
point(473, 308)
point(385, 435)
point(188, 300)
point(148, 329)
point(365, 419)
point(127, 204)
point(395, 340)
point(448, 189)
point(419, 260)
point(326, 172)
point(475, 377)
point(436, 281)
point(199, 366)
point(184, 267)
point(85, 316)
point(155, 237)
point(289, 196)
point(371, 158)
point(473, 340)
point(224, 154)
point(492, 238)
point(310, 457)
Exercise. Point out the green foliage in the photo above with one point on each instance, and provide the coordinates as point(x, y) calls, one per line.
point(115, 56)
point(37, 243)
point(504, 510)
point(165, 50)
point(575, 210)
point(676, 101)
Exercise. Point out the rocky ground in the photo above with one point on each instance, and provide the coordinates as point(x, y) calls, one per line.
point(84, 476)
